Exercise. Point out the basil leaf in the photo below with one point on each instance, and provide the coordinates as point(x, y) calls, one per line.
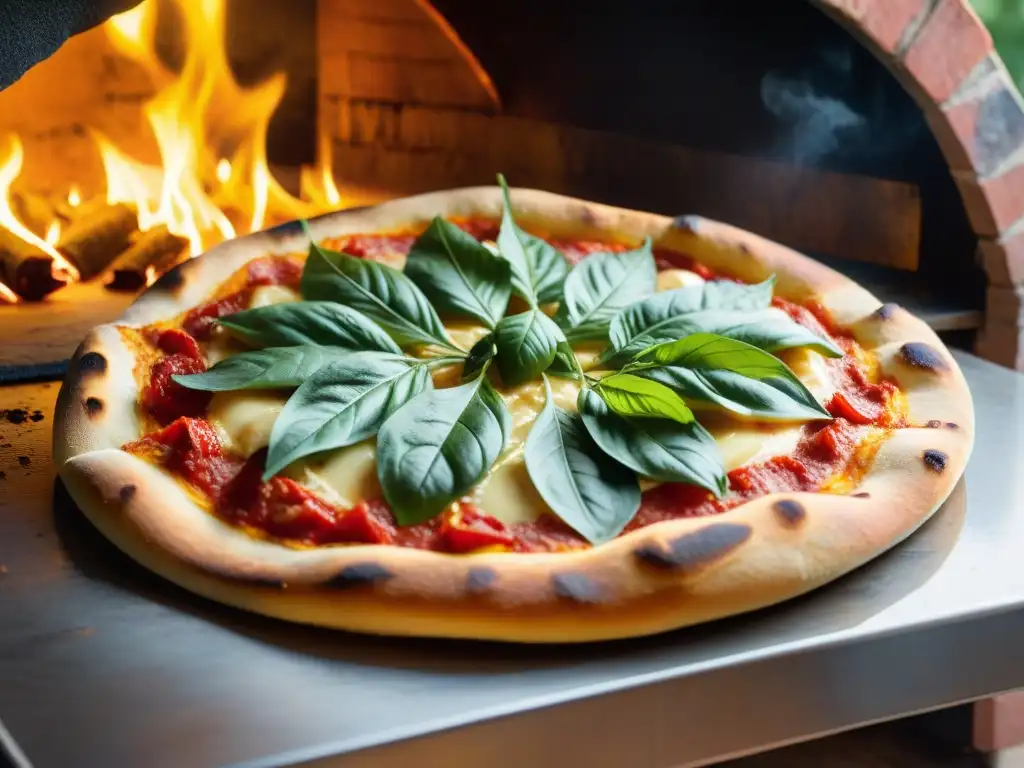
point(592, 493)
point(638, 325)
point(308, 322)
point(565, 365)
point(769, 329)
point(631, 395)
point(383, 294)
point(480, 354)
point(730, 374)
point(264, 368)
point(458, 274)
point(342, 404)
point(601, 286)
point(438, 445)
point(538, 269)
point(526, 345)
point(660, 449)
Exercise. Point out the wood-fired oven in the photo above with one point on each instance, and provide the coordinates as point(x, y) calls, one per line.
point(882, 136)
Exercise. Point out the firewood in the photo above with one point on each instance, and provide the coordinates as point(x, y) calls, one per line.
point(92, 242)
point(27, 269)
point(152, 253)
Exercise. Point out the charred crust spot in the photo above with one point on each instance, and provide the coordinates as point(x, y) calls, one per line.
point(93, 406)
point(479, 579)
point(887, 311)
point(92, 362)
point(934, 424)
point(951, 425)
point(790, 513)
point(687, 223)
point(172, 279)
point(127, 493)
point(271, 583)
point(577, 587)
point(935, 460)
point(862, 495)
point(587, 217)
point(359, 574)
point(693, 551)
point(286, 230)
point(917, 354)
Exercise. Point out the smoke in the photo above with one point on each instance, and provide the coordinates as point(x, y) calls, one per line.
point(832, 112)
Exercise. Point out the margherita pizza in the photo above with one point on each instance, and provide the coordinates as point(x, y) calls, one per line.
point(538, 419)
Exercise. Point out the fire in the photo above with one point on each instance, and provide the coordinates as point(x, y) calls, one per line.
point(10, 167)
point(213, 180)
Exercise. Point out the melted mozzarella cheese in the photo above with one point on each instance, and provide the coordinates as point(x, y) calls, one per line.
point(678, 278)
point(245, 419)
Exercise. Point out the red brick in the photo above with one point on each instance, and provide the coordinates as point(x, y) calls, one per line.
point(884, 21)
point(1001, 344)
point(950, 44)
point(1003, 306)
point(994, 204)
point(1003, 261)
point(988, 127)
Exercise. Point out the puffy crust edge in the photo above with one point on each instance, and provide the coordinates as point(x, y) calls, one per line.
point(661, 577)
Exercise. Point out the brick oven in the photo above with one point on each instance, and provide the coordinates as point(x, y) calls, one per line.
point(881, 136)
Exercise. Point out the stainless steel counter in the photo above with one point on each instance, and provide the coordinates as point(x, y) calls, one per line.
point(103, 664)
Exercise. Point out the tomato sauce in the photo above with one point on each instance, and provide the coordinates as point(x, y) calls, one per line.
point(187, 445)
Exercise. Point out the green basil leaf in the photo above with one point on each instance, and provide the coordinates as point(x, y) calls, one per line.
point(271, 368)
point(592, 493)
point(769, 329)
point(659, 449)
point(438, 445)
point(526, 345)
point(650, 321)
point(538, 269)
point(458, 274)
point(631, 395)
point(730, 374)
point(383, 294)
point(480, 354)
point(601, 286)
point(342, 404)
point(565, 365)
point(299, 323)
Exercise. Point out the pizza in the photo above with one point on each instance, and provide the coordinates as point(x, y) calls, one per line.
point(513, 416)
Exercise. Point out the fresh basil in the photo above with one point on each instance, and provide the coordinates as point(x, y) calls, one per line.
point(525, 344)
point(299, 323)
point(438, 445)
point(271, 368)
point(729, 374)
point(651, 321)
point(769, 329)
point(480, 354)
point(341, 404)
point(565, 365)
point(591, 492)
point(458, 274)
point(601, 286)
point(630, 395)
point(538, 269)
point(383, 294)
point(659, 449)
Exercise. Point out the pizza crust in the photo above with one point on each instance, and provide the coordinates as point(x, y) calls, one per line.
point(663, 576)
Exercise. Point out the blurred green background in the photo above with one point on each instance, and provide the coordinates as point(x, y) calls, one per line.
point(1005, 18)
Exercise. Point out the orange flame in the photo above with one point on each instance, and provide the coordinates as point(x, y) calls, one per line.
point(10, 167)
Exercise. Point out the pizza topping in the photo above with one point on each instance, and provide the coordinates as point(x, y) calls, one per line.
point(164, 398)
point(678, 357)
point(189, 448)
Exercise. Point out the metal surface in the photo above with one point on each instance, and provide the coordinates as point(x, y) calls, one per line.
point(103, 664)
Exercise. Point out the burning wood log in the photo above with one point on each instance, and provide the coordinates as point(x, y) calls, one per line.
point(95, 240)
point(32, 210)
point(152, 253)
point(28, 270)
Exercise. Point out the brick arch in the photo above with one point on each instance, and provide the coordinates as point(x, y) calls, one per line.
point(943, 55)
